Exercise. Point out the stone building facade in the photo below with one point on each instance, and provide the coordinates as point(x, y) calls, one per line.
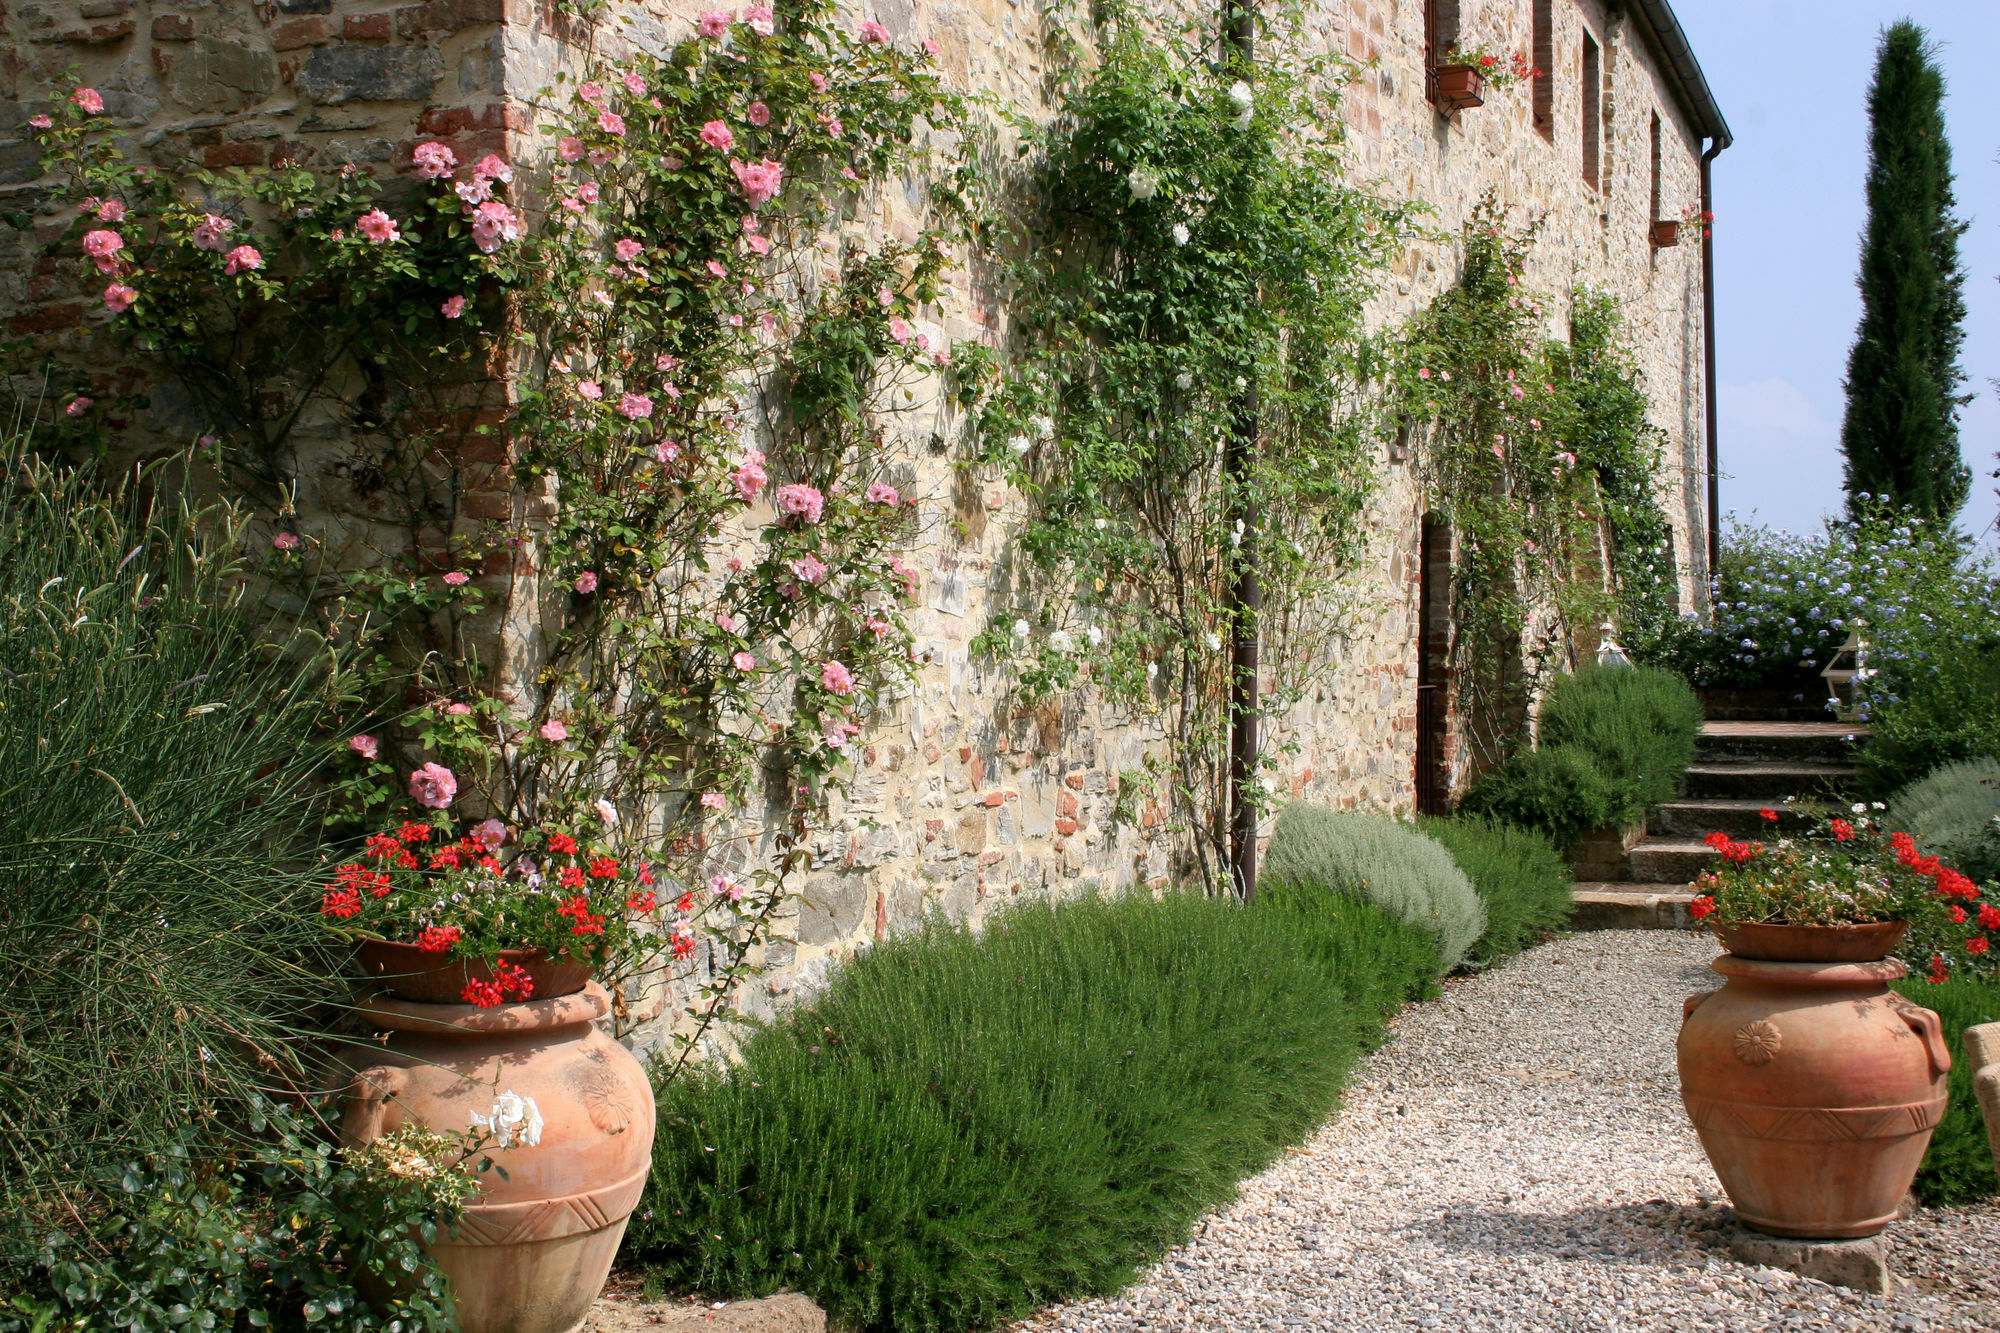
point(964, 799)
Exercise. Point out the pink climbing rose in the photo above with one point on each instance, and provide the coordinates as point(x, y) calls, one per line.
point(111, 211)
point(635, 406)
point(799, 500)
point(627, 250)
point(882, 494)
point(494, 224)
point(761, 20)
point(759, 181)
point(103, 247)
point(717, 136)
point(242, 258)
point(712, 22)
point(586, 581)
point(757, 114)
point(809, 568)
point(378, 227)
point(874, 34)
point(119, 297)
point(79, 405)
point(590, 389)
point(453, 307)
point(210, 232)
point(837, 678)
point(433, 786)
point(88, 99)
point(713, 801)
point(457, 578)
point(749, 478)
point(365, 746)
point(554, 730)
point(744, 662)
point(611, 122)
point(285, 541)
point(433, 160)
point(569, 148)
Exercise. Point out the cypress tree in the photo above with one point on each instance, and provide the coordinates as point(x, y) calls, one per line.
point(1903, 376)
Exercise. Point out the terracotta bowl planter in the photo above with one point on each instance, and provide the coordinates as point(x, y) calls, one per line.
point(1814, 1088)
point(1460, 87)
point(1813, 944)
point(440, 978)
point(1666, 234)
point(534, 1248)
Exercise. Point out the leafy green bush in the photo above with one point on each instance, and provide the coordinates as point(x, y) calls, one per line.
point(1954, 814)
point(1519, 875)
point(159, 954)
point(1959, 1166)
point(1935, 696)
point(1558, 791)
point(1639, 724)
point(1387, 863)
point(964, 1126)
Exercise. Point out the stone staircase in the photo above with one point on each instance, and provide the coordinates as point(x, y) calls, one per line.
point(1740, 768)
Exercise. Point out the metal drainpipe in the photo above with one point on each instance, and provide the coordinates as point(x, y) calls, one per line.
point(1716, 145)
point(1244, 595)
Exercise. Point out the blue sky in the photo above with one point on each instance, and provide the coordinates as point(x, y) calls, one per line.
point(1792, 79)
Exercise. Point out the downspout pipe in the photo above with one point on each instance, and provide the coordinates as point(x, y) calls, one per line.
point(1716, 145)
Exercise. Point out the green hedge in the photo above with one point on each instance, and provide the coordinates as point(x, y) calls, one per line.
point(1383, 861)
point(1613, 741)
point(1519, 875)
point(1959, 1166)
point(964, 1127)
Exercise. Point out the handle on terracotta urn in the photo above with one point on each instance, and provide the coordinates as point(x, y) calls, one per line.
point(369, 1093)
point(1928, 1026)
point(1689, 1005)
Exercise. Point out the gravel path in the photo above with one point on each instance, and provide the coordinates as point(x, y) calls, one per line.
point(1517, 1159)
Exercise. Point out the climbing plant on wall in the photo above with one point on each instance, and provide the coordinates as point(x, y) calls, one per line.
point(1195, 259)
point(1539, 453)
point(599, 435)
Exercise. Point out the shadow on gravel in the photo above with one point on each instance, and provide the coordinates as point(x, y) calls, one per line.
point(1609, 1234)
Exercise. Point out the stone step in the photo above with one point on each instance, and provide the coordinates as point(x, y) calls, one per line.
point(1806, 703)
point(1659, 861)
point(1780, 742)
point(1771, 782)
point(1631, 907)
point(1738, 818)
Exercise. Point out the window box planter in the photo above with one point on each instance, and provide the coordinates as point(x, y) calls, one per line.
point(1459, 87)
point(1666, 234)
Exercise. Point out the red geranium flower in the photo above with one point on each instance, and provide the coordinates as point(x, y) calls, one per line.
point(438, 939)
point(413, 832)
point(341, 903)
point(1701, 906)
point(644, 901)
point(571, 877)
point(1767, 814)
point(562, 843)
point(603, 867)
point(1976, 945)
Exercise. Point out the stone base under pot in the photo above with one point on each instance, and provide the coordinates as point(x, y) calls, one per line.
point(1860, 1264)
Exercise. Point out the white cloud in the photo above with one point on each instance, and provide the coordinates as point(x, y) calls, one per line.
point(1780, 454)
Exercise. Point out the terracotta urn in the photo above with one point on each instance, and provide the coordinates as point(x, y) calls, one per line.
point(535, 1246)
point(415, 974)
point(1813, 1086)
point(1460, 87)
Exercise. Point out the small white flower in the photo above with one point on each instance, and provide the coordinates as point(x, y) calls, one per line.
point(1152, 670)
point(1184, 381)
point(1241, 97)
point(1213, 640)
point(1020, 629)
point(1062, 642)
point(1860, 807)
point(606, 812)
point(1042, 428)
point(1180, 233)
point(1096, 636)
point(1020, 445)
point(514, 1119)
point(1142, 184)
point(1100, 523)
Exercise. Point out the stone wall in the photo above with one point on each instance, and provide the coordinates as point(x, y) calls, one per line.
point(963, 798)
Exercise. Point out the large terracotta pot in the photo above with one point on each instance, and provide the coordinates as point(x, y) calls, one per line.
point(1814, 1088)
point(535, 1247)
point(439, 978)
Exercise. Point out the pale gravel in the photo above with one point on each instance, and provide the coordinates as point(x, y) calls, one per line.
point(1516, 1158)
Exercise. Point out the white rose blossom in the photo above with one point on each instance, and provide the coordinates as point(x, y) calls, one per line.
point(1143, 184)
point(1181, 233)
point(514, 1119)
point(1062, 642)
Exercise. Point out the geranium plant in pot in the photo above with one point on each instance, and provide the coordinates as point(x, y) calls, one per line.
point(1466, 72)
point(1813, 1086)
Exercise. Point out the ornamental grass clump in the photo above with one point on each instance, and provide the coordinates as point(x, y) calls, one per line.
point(1381, 861)
point(966, 1125)
point(1854, 872)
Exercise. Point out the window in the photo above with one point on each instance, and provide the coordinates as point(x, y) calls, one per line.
point(1593, 78)
point(1544, 57)
point(1440, 39)
point(1655, 214)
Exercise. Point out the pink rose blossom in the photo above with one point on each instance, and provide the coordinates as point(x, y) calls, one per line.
point(592, 92)
point(831, 124)
point(635, 406)
point(494, 224)
point(899, 329)
point(712, 22)
point(667, 450)
point(761, 20)
point(433, 160)
point(743, 662)
point(119, 297)
point(458, 710)
point(749, 479)
point(41, 122)
point(242, 257)
point(904, 572)
point(734, 321)
point(365, 746)
point(809, 568)
point(874, 34)
point(491, 834)
point(587, 192)
point(492, 167)
point(458, 578)
point(88, 99)
point(453, 307)
point(433, 786)
point(670, 162)
point(848, 173)
point(611, 122)
point(818, 81)
point(111, 211)
point(801, 501)
point(79, 405)
point(735, 565)
point(837, 678)
point(717, 136)
point(759, 245)
point(722, 886)
point(882, 493)
point(553, 730)
point(285, 541)
point(569, 148)
point(759, 181)
point(210, 231)
point(713, 801)
point(378, 227)
point(727, 623)
point(837, 732)
point(940, 358)
point(590, 389)
point(634, 84)
point(878, 626)
point(103, 247)
point(475, 191)
point(586, 582)
point(627, 250)
point(930, 48)
point(664, 362)
point(757, 114)
point(716, 269)
point(597, 157)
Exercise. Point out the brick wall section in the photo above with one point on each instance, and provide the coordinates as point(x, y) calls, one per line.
point(964, 797)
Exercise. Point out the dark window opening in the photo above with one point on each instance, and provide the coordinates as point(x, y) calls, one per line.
point(1593, 77)
point(1434, 667)
point(1655, 215)
point(1544, 56)
point(1440, 40)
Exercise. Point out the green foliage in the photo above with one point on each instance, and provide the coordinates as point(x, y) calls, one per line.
point(1900, 435)
point(1935, 697)
point(283, 1235)
point(1639, 724)
point(1558, 790)
point(1384, 862)
point(158, 954)
point(1958, 1169)
point(965, 1126)
point(1196, 268)
point(1533, 447)
point(1954, 814)
point(1519, 875)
